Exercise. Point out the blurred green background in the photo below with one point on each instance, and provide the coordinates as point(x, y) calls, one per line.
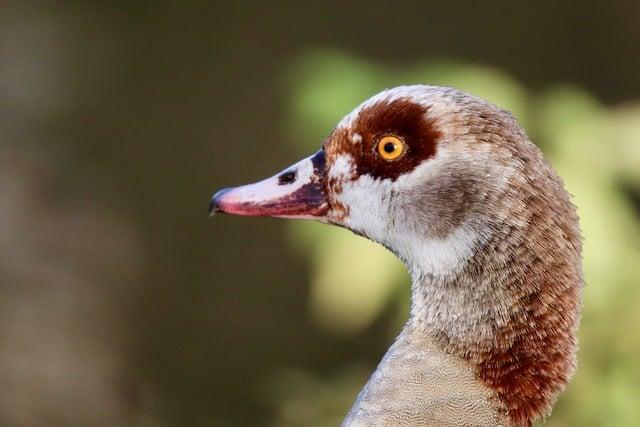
point(121, 304)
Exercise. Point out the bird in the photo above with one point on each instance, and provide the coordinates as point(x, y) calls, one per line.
point(453, 186)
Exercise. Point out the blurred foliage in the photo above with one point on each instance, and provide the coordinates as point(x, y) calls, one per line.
point(597, 152)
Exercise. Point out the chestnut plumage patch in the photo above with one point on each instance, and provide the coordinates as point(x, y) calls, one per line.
point(402, 118)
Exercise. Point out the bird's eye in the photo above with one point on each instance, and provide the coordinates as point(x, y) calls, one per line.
point(390, 147)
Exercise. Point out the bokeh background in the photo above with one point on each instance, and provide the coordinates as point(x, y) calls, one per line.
point(122, 304)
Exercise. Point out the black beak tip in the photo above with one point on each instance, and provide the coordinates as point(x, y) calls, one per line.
point(213, 208)
point(214, 204)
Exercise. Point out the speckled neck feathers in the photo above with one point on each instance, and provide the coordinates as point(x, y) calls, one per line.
point(513, 308)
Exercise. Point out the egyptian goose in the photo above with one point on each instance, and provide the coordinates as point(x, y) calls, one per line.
point(452, 186)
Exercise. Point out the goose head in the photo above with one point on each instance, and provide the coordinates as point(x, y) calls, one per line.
point(452, 185)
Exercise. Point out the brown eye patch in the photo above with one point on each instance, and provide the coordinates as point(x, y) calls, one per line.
point(401, 117)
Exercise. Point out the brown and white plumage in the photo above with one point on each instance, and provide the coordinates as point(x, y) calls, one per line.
point(489, 236)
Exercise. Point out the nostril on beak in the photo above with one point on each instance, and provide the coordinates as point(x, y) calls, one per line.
point(287, 177)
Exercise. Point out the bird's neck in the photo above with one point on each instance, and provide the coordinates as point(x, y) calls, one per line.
point(510, 313)
point(494, 312)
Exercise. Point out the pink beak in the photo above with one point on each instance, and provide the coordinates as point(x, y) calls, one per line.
point(296, 192)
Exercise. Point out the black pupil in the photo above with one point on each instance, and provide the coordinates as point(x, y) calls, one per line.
point(389, 147)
